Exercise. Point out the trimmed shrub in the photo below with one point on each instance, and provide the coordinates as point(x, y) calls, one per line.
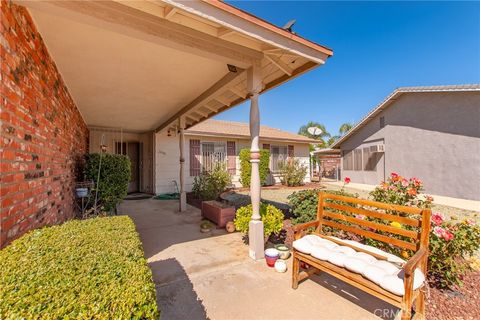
point(272, 219)
point(210, 184)
point(292, 173)
point(82, 269)
point(114, 177)
point(303, 204)
point(246, 167)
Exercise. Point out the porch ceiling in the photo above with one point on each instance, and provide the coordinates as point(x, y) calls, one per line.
point(139, 65)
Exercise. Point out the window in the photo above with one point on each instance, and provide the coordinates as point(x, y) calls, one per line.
point(213, 153)
point(382, 122)
point(347, 160)
point(357, 158)
point(278, 155)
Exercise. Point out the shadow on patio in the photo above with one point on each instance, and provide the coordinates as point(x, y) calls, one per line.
point(199, 276)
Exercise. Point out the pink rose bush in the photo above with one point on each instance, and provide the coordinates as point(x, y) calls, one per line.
point(451, 242)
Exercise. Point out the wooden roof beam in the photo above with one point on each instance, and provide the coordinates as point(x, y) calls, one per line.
point(216, 89)
point(280, 64)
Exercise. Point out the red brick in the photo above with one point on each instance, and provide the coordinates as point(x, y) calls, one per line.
point(29, 145)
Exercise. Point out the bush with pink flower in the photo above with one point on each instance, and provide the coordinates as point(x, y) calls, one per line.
point(451, 243)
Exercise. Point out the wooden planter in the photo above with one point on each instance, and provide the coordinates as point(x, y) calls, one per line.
point(218, 212)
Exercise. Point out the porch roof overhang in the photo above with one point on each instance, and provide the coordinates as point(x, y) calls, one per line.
point(141, 65)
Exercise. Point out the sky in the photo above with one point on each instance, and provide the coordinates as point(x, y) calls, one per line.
point(378, 46)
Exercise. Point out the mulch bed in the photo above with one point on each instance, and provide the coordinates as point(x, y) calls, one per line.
point(462, 302)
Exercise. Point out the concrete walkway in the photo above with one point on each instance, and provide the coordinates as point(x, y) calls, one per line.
point(200, 276)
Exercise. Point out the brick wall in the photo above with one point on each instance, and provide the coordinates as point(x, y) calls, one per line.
point(43, 135)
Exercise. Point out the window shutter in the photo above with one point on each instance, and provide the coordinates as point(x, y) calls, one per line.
point(291, 152)
point(266, 146)
point(194, 157)
point(231, 158)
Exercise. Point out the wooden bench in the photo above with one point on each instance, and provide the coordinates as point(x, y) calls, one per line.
point(337, 212)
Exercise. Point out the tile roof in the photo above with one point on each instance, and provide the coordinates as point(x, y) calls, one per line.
point(241, 130)
point(394, 95)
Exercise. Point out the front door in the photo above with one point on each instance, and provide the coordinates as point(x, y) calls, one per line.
point(132, 151)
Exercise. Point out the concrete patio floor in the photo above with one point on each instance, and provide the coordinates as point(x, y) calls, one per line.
point(199, 276)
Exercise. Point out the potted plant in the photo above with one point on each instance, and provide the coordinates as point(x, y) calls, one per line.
point(206, 226)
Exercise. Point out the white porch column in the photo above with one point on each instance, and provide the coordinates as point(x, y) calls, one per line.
point(181, 143)
point(255, 233)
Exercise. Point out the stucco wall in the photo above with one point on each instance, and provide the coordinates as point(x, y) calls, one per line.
point(432, 136)
point(167, 159)
point(43, 134)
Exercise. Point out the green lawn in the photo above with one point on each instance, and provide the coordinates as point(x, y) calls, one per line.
point(89, 269)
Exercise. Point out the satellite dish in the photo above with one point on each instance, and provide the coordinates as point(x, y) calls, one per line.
point(289, 25)
point(315, 131)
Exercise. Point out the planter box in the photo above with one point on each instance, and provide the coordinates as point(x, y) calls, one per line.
point(218, 212)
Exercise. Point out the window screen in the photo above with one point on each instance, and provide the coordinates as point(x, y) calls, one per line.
point(357, 158)
point(348, 160)
point(278, 155)
point(213, 153)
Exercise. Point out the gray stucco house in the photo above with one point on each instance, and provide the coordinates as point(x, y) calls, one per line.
point(432, 133)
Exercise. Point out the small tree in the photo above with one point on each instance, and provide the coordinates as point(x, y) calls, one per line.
point(246, 167)
point(292, 173)
point(115, 172)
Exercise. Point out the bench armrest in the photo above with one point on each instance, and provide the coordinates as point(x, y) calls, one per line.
point(413, 262)
point(300, 228)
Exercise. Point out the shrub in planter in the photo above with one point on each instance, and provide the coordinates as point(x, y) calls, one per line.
point(292, 173)
point(82, 269)
point(272, 219)
point(115, 172)
point(246, 167)
point(450, 242)
point(210, 184)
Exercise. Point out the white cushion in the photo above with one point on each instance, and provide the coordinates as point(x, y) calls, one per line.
point(337, 258)
point(321, 253)
point(365, 257)
point(374, 273)
point(394, 283)
point(346, 250)
point(388, 267)
point(303, 246)
point(385, 273)
point(390, 257)
point(355, 264)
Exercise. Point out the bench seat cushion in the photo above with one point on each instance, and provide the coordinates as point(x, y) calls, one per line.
point(385, 273)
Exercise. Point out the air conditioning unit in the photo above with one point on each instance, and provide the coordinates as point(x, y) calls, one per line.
point(377, 148)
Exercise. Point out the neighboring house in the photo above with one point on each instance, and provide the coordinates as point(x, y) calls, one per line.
point(432, 133)
point(207, 143)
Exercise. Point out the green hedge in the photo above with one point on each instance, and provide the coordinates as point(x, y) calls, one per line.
point(114, 177)
point(246, 167)
point(88, 269)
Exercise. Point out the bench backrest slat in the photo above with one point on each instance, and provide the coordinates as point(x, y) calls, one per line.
point(346, 219)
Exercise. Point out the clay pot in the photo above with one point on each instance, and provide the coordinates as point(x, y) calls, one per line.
point(230, 226)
